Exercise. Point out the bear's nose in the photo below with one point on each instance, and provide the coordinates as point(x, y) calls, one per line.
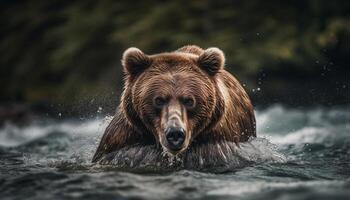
point(175, 137)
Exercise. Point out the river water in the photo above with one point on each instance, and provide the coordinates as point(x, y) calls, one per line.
point(308, 151)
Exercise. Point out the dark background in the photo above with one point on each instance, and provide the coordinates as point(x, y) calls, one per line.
point(62, 58)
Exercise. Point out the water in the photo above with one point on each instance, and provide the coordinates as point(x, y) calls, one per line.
point(300, 154)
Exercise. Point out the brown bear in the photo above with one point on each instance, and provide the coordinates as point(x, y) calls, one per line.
point(182, 104)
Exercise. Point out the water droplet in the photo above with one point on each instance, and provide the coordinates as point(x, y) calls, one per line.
point(99, 110)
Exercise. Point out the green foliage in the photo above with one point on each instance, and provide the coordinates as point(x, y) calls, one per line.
point(65, 52)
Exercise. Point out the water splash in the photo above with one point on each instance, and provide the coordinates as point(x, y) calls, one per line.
point(299, 154)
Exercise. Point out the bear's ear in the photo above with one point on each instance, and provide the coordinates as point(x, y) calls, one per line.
point(211, 60)
point(135, 61)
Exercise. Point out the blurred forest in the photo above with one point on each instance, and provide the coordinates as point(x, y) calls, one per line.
point(65, 55)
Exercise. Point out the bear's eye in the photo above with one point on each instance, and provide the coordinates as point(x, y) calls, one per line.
point(188, 102)
point(159, 101)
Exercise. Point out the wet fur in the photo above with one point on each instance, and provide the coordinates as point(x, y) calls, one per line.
point(228, 117)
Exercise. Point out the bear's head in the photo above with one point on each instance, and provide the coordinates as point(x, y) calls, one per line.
point(173, 96)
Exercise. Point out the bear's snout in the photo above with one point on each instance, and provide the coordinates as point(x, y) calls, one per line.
point(175, 137)
point(174, 133)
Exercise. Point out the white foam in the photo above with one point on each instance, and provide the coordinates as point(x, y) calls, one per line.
point(304, 135)
point(298, 126)
point(12, 135)
point(242, 187)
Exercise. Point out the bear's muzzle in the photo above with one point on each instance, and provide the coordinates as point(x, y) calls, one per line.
point(175, 136)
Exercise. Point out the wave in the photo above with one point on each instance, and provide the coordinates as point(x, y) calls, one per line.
point(285, 126)
point(333, 189)
point(11, 135)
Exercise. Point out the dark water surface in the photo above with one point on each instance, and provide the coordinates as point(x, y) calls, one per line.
point(308, 151)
